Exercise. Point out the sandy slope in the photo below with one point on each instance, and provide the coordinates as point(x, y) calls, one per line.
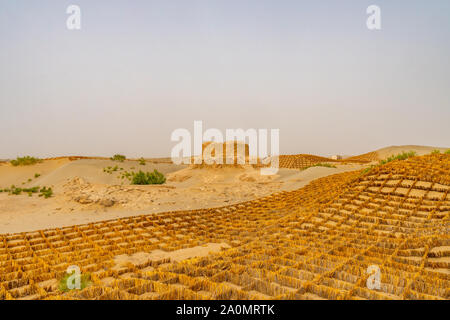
point(420, 150)
point(10, 175)
point(84, 193)
point(293, 179)
point(92, 171)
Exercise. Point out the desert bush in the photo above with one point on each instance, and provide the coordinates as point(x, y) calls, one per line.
point(447, 152)
point(367, 170)
point(110, 170)
point(32, 190)
point(13, 190)
point(400, 156)
point(25, 161)
point(127, 175)
point(436, 151)
point(142, 161)
point(118, 157)
point(37, 175)
point(142, 178)
point(46, 192)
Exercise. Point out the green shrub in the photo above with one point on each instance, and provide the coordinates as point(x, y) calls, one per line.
point(400, 156)
point(436, 151)
point(142, 178)
point(37, 175)
point(118, 157)
point(447, 152)
point(31, 190)
point(25, 161)
point(46, 192)
point(327, 165)
point(127, 175)
point(110, 170)
point(142, 161)
point(367, 170)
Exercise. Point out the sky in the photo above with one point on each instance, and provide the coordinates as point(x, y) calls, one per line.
point(138, 70)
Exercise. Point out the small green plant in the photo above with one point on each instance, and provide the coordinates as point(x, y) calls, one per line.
point(436, 151)
point(13, 190)
point(32, 190)
point(118, 157)
point(447, 152)
point(46, 192)
point(142, 161)
point(367, 170)
point(37, 175)
point(400, 156)
point(25, 161)
point(127, 175)
point(142, 178)
point(110, 170)
point(85, 281)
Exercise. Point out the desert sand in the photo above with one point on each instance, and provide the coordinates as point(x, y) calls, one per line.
point(84, 193)
point(420, 150)
point(228, 232)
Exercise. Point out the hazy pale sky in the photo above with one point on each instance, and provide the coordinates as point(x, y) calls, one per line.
point(137, 70)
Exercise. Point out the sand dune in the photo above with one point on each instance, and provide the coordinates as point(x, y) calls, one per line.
point(384, 153)
point(83, 192)
point(420, 150)
point(317, 242)
point(10, 175)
